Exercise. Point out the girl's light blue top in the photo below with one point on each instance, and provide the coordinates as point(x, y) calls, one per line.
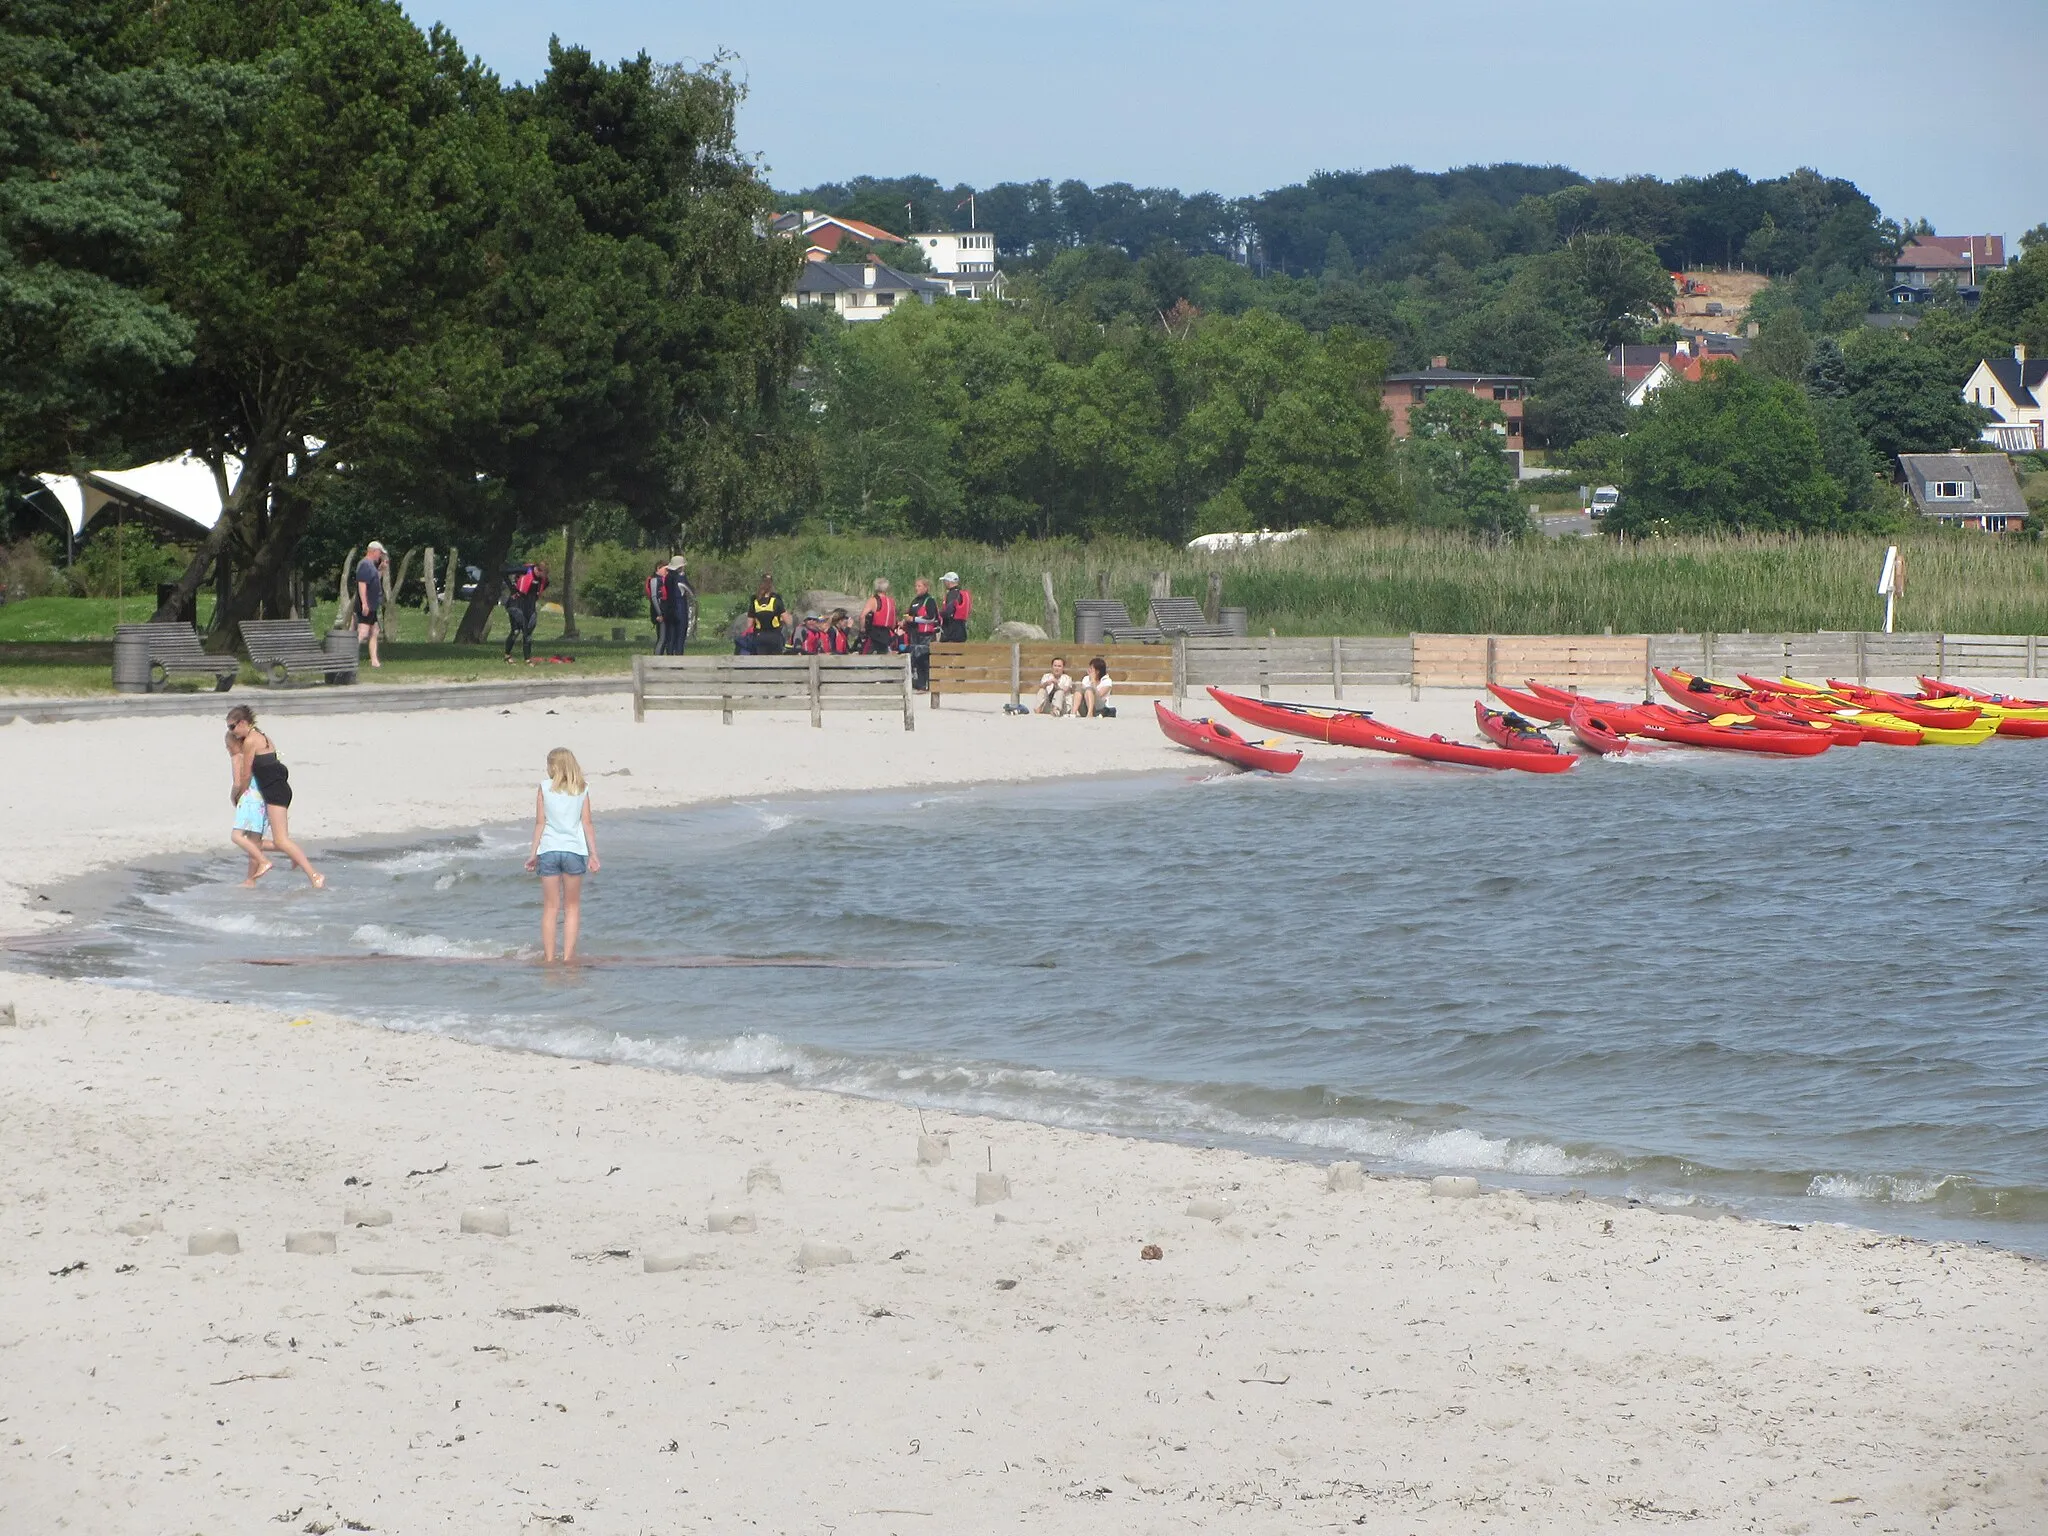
point(564, 830)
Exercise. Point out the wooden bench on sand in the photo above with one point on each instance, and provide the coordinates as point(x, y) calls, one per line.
point(286, 652)
point(727, 683)
point(141, 651)
point(983, 666)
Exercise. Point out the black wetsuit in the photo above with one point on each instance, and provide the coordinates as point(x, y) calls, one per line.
point(273, 780)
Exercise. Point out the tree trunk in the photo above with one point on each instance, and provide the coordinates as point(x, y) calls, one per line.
point(476, 619)
point(569, 583)
point(391, 597)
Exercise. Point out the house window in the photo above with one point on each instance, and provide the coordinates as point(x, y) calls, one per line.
point(1994, 525)
point(1417, 391)
point(1950, 490)
point(1514, 428)
point(1500, 391)
point(885, 299)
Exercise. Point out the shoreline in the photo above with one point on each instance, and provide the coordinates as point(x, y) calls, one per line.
point(1301, 1354)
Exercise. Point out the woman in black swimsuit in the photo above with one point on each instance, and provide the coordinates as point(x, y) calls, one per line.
point(256, 759)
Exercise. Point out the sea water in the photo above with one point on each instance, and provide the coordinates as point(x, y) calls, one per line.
point(1807, 990)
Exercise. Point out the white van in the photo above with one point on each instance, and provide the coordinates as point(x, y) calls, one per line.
point(1605, 499)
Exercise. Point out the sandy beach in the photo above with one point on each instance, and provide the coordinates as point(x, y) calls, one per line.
point(707, 1305)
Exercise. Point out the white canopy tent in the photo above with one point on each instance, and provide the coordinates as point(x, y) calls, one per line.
point(182, 489)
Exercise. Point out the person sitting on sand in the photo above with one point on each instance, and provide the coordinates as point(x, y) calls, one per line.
point(252, 823)
point(257, 765)
point(1056, 689)
point(564, 850)
point(1095, 688)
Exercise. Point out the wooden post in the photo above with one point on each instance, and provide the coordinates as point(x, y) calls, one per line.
point(1491, 643)
point(1102, 585)
point(817, 701)
point(639, 674)
point(909, 714)
point(1017, 671)
point(1052, 606)
point(1212, 606)
point(344, 600)
point(1180, 670)
point(1414, 682)
point(2031, 646)
point(1336, 667)
point(1862, 663)
point(1707, 654)
point(569, 583)
point(1162, 584)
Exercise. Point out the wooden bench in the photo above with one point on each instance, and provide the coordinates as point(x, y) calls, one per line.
point(728, 683)
point(286, 652)
point(1183, 616)
point(981, 666)
point(144, 650)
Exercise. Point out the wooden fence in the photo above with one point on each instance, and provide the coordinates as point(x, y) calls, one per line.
point(1611, 662)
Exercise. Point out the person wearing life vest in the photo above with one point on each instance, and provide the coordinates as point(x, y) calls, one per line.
point(955, 608)
point(810, 640)
point(524, 586)
point(678, 599)
point(878, 621)
point(766, 633)
point(838, 633)
point(920, 628)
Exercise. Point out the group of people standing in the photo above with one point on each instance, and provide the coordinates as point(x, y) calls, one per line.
point(881, 628)
point(671, 604)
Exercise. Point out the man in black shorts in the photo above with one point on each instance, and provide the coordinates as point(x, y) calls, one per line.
point(370, 596)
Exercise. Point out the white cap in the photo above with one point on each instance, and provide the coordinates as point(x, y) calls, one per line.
point(951, 578)
point(376, 546)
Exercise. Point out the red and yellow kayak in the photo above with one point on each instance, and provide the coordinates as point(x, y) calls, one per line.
point(1357, 728)
point(1512, 731)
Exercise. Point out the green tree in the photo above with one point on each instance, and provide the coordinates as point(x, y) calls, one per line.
point(1827, 370)
point(1783, 348)
point(1458, 467)
point(2015, 307)
point(1906, 397)
point(885, 428)
point(1625, 282)
point(1738, 449)
point(89, 164)
point(1575, 397)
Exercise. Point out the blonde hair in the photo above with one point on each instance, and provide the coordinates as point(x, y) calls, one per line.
point(564, 772)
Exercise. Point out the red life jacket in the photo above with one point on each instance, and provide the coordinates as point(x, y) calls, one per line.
point(884, 616)
point(835, 642)
point(962, 603)
point(924, 616)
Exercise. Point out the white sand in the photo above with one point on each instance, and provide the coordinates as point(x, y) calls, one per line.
point(1372, 1359)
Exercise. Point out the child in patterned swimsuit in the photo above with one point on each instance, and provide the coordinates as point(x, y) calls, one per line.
point(252, 823)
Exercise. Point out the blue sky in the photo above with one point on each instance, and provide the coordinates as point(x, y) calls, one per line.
point(1933, 110)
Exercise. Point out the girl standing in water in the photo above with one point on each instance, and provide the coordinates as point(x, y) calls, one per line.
point(252, 823)
point(564, 849)
point(256, 763)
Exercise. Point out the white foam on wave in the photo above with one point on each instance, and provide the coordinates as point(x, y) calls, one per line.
point(428, 946)
point(241, 924)
point(1883, 1187)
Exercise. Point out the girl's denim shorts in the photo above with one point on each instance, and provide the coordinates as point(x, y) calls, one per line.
point(555, 862)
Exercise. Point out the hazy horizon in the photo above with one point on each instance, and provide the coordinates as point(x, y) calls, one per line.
point(1189, 96)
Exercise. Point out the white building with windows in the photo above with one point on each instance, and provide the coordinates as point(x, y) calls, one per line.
point(963, 259)
point(869, 291)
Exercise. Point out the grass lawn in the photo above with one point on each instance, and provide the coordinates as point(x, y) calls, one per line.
point(53, 625)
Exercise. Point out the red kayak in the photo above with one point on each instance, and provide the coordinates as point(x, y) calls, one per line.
point(1660, 723)
point(1698, 692)
point(1854, 697)
point(1220, 741)
point(1357, 728)
point(1597, 731)
point(1533, 705)
point(1511, 731)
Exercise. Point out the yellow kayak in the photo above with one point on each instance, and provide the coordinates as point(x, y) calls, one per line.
point(1987, 711)
point(1934, 735)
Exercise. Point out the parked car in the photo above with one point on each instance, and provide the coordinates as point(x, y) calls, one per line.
point(471, 578)
point(1604, 500)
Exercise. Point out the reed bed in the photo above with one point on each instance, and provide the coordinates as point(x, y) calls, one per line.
point(1398, 581)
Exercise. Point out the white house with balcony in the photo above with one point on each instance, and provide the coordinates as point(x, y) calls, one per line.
point(963, 259)
point(2015, 391)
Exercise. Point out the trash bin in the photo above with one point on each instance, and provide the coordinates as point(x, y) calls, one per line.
point(131, 660)
point(1087, 627)
point(344, 650)
point(1237, 621)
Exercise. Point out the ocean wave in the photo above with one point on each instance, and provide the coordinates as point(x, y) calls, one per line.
point(240, 924)
point(429, 946)
point(1898, 1189)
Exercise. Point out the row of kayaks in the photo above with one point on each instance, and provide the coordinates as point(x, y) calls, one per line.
point(1780, 717)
